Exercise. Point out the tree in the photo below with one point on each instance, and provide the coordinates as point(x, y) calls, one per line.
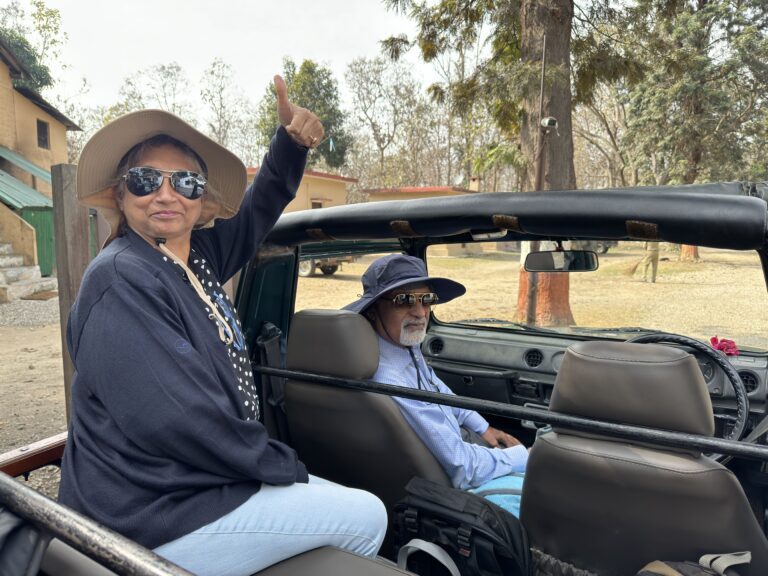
point(402, 133)
point(706, 78)
point(88, 118)
point(35, 40)
point(50, 36)
point(16, 31)
point(163, 86)
point(13, 17)
point(383, 96)
point(217, 94)
point(508, 77)
point(231, 116)
point(39, 76)
point(313, 87)
point(245, 135)
point(600, 127)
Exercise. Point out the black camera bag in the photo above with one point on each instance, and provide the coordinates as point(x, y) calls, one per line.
point(481, 538)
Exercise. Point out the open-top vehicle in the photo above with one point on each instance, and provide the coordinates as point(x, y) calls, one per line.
point(655, 452)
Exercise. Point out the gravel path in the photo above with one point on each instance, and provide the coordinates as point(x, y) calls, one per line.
point(30, 313)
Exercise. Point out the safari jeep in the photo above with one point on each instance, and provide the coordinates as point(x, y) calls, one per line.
point(639, 452)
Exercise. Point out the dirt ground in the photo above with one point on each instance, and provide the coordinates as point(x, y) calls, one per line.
point(32, 391)
point(32, 383)
point(726, 291)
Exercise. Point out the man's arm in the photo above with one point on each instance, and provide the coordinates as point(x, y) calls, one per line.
point(471, 420)
point(467, 465)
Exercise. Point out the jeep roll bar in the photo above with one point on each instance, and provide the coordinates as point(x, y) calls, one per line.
point(648, 435)
point(108, 548)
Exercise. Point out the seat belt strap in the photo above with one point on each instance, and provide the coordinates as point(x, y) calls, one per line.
point(273, 387)
point(269, 341)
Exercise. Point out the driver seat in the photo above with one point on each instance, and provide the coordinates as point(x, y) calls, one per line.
point(611, 505)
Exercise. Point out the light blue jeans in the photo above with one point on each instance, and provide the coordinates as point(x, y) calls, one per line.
point(279, 522)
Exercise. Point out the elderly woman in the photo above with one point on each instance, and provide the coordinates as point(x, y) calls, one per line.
point(165, 444)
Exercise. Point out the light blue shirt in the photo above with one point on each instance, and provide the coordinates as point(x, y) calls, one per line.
point(467, 465)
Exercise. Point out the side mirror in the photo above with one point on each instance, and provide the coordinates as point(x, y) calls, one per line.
point(561, 261)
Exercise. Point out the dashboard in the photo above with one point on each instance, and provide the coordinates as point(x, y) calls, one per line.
point(521, 368)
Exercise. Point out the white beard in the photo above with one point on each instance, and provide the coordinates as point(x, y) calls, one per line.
point(412, 337)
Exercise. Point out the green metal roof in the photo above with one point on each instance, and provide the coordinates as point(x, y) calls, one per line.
point(24, 164)
point(18, 195)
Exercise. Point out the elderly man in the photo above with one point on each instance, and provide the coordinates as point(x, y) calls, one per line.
point(397, 298)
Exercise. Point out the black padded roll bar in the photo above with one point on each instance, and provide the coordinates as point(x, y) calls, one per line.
point(648, 435)
point(108, 548)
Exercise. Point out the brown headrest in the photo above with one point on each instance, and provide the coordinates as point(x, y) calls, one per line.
point(334, 342)
point(639, 384)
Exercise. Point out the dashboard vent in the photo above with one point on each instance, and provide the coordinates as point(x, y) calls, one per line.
point(750, 381)
point(533, 358)
point(436, 346)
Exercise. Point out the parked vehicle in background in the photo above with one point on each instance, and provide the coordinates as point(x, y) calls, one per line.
point(327, 266)
point(599, 246)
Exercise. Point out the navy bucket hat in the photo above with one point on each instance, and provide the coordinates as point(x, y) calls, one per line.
point(398, 270)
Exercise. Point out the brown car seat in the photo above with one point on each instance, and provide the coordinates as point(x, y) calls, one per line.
point(610, 505)
point(352, 437)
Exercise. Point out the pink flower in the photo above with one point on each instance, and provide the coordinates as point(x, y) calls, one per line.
point(728, 347)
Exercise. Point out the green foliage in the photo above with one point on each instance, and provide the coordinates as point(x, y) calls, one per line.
point(599, 61)
point(39, 74)
point(504, 81)
point(504, 78)
point(43, 27)
point(696, 114)
point(498, 154)
point(50, 37)
point(313, 87)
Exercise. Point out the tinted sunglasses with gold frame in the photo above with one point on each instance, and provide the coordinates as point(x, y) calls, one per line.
point(143, 180)
point(410, 299)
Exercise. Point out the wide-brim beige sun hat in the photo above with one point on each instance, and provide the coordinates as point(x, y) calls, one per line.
point(97, 168)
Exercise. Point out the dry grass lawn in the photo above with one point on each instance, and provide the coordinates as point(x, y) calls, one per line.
point(722, 295)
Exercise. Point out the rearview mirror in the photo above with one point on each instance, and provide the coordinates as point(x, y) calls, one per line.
point(561, 261)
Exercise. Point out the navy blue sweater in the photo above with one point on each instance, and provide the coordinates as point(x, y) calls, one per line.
point(158, 442)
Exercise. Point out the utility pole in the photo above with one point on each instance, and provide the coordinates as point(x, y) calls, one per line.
point(530, 308)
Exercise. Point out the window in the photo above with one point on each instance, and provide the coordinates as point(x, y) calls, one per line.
point(316, 204)
point(701, 300)
point(331, 282)
point(43, 135)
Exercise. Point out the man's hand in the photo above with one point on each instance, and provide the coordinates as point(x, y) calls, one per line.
point(497, 438)
point(303, 126)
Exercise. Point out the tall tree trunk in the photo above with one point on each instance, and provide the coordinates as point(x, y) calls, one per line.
point(695, 109)
point(549, 311)
point(553, 19)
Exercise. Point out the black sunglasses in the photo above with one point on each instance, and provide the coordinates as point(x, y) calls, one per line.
point(426, 299)
point(142, 181)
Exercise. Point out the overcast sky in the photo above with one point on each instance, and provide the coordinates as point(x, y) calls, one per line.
point(109, 39)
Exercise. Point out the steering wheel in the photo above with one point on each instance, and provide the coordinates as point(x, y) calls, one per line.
point(742, 400)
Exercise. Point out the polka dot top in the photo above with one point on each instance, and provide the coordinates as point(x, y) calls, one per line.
point(238, 352)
